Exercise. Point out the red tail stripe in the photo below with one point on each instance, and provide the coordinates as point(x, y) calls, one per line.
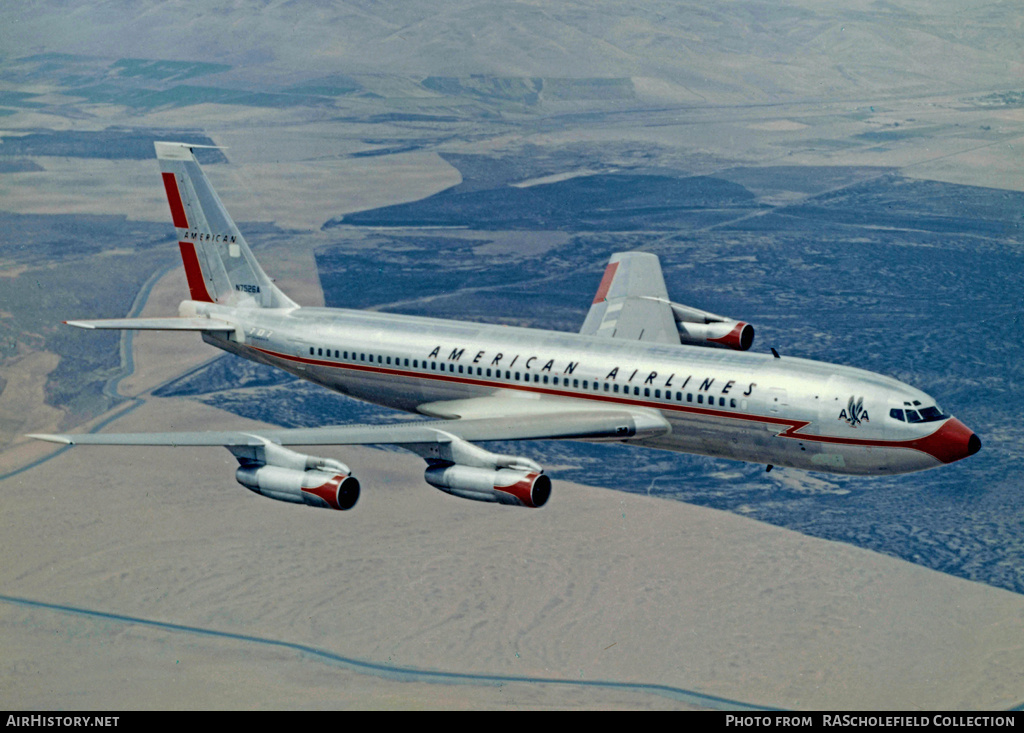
point(174, 199)
point(193, 272)
point(606, 282)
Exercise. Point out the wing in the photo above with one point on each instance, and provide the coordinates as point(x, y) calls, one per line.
point(551, 422)
point(632, 302)
point(455, 464)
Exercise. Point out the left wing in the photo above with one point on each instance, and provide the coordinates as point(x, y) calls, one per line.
point(604, 424)
point(455, 464)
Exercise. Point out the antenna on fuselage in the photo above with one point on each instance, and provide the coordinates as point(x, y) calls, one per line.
point(775, 353)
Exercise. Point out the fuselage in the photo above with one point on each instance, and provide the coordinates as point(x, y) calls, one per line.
point(739, 405)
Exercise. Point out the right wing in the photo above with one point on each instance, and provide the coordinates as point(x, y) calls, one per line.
point(632, 302)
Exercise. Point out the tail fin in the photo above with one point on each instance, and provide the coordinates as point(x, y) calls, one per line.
point(218, 263)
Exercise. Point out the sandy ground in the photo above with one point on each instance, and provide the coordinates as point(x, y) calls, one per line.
point(598, 585)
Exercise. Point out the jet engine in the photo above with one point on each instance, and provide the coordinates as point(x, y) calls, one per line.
point(701, 328)
point(502, 485)
point(462, 469)
point(286, 475)
point(315, 488)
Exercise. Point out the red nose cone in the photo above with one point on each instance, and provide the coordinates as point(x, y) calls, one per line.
point(951, 442)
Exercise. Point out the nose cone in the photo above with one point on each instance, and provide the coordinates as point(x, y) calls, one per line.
point(951, 442)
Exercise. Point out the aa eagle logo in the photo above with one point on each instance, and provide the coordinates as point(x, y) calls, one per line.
point(854, 414)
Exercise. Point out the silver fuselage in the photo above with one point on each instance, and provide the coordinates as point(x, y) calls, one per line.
point(739, 405)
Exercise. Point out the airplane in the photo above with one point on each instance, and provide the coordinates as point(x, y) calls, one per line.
point(643, 370)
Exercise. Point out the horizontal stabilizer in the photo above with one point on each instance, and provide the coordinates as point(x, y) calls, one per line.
point(156, 324)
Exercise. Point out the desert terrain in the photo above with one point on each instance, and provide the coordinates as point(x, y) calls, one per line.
point(848, 179)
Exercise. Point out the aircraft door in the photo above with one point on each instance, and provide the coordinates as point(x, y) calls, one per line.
point(300, 349)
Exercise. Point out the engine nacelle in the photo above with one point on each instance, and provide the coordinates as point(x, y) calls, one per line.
point(326, 490)
point(702, 328)
point(502, 485)
point(722, 334)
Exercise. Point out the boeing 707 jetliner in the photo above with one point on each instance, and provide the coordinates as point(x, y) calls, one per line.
point(642, 370)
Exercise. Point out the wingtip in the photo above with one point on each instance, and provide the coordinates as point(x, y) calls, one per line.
point(51, 438)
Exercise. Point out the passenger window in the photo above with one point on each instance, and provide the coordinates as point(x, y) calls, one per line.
point(657, 394)
point(311, 351)
point(700, 399)
point(647, 391)
point(732, 402)
point(689, 397)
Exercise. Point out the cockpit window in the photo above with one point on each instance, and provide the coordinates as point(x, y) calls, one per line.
point(924, 414)
point(930, 414)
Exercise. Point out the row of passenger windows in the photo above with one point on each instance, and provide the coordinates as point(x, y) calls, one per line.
point(592, 385)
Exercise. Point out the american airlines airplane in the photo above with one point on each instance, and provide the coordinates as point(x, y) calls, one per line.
point(642, 370)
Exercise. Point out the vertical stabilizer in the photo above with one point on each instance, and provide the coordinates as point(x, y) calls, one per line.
point(218, 263)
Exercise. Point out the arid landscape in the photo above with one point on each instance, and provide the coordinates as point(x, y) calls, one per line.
point(847, 179)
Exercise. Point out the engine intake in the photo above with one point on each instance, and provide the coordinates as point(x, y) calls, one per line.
point(502, 485)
